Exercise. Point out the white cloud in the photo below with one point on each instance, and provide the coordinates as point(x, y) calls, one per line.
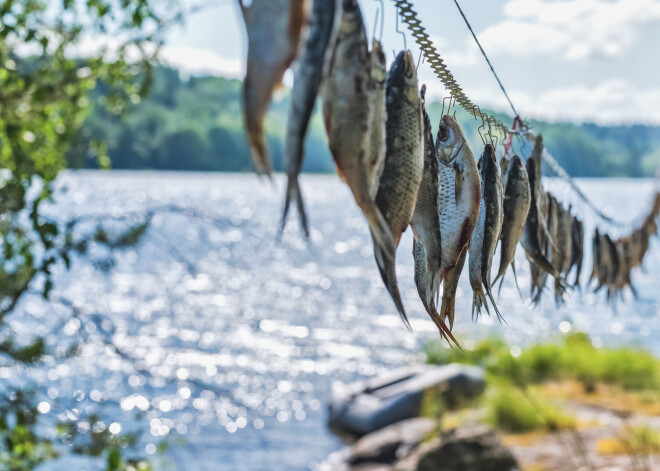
point(576, 29)
point(201, 61)
point(609, 102)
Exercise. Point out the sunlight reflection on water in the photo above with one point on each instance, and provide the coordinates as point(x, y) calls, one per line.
point(233, 341)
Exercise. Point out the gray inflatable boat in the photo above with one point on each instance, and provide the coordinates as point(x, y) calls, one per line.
point(369, 405)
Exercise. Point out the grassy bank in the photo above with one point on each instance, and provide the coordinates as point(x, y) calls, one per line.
point(536, 391)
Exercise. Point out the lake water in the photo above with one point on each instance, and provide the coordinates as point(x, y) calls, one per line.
point(232, 343)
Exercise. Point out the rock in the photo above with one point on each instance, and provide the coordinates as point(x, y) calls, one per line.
point(465, 449)
point(391, 443)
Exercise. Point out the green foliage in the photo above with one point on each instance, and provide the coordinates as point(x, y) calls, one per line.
point(47, 89)
point(575, 358)
point(21, 449)
point(193, 124)
point(510, 410)
point(483, 352)
point(197, 124)
point(641, 440)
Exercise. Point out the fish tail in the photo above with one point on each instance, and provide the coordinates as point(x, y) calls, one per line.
point(384, 244)
point(500, 273)
point(560, 289)
point(255, 105)
point(492, 300)
point(499, 289)
point(448, 309)
point(387, 268)
point(445, 332)
point(515, 277)
point(433, 287)
point(478, 300)
point(293, 194)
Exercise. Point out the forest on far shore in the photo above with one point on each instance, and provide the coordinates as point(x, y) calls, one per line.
point(196, 124)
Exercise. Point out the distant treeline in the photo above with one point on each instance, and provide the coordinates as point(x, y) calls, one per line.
point(196, 124)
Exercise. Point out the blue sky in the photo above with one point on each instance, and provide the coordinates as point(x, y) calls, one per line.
point(578, 60)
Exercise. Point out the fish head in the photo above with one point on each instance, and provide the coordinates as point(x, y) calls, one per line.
point(378, 62)
point(351, 19)
point(450, 139)
point(403, 75)
point(517, 170)
point(488, 161)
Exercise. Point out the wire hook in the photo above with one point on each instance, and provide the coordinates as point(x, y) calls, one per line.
point(405, 44)
point(421, 58)
point(443, 105)
point(380, 10)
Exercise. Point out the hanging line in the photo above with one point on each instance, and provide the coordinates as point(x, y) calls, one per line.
point(513, 108)
point(437, 64)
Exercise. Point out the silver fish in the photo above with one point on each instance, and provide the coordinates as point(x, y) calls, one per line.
point(475, 260)
point(421, 283)
point(273, 29)
point(460, 192)
point(324, 23)
point(425, 223)
point(493, 197)
point(577, 249)
point(530, 239)
point(517, 199)
point(448, 308)
point(404, 163)
point(379, 118)
point(348, 113)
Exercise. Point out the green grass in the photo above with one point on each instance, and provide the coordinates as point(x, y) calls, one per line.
point(513, 405)
point(511, 410)
point(574, 358)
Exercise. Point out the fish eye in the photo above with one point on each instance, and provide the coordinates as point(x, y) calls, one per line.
point(445, 134)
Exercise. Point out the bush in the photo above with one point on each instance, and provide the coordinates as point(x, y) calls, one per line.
point(510, 410)
point(574, 358)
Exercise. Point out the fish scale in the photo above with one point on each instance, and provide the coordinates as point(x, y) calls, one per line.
point(348, 115)
point(379, 119)
point(404, 162)
point(460, 191)
point(273, 28)
point(425, 223)
point(515, 208)
point(474, 263)
point(448, 308)
point(307, 81)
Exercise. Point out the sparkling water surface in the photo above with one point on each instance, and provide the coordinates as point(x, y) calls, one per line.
point(213, 337)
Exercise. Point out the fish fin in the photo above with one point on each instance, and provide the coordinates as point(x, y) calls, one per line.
point(458, 182)
point(293, 193)
point(387, 268)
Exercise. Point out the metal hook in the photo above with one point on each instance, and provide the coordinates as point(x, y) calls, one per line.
point(490, 131)
point(443, 104)
point(382, 19)
point(421, 58)
point(483, 124)
point(405, 44)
